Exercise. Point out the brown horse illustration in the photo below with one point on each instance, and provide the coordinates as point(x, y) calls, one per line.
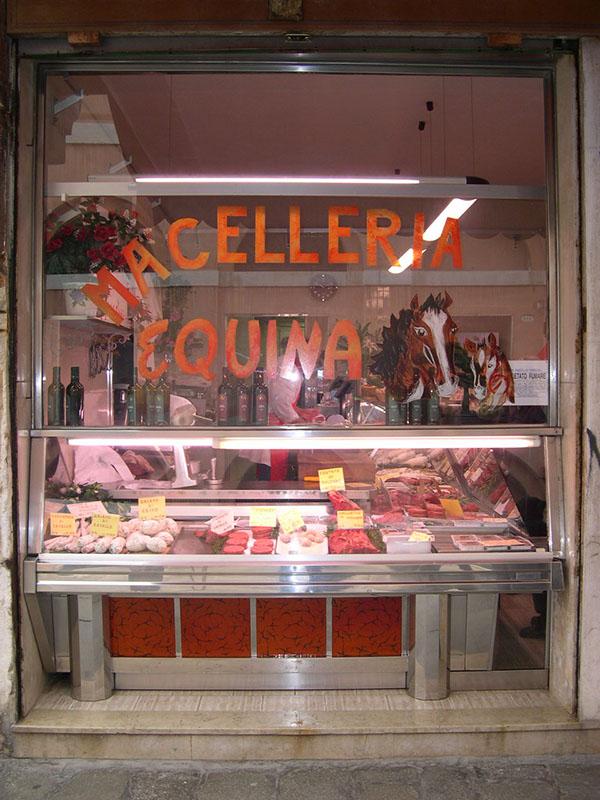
point(493, 380)
point(417, 351)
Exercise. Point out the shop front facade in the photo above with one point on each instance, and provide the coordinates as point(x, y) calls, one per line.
point(299, 391)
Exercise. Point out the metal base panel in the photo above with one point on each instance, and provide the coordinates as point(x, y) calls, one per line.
point(260, 673)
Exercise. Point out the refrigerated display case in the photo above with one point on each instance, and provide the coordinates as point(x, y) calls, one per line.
point(236, 571)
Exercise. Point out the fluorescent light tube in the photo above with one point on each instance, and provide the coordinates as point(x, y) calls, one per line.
point(278, 179)
point(141, 441)
point(348, 442)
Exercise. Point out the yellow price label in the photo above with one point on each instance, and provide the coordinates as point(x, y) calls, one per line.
point(419, 536)
point(351, 519)
point(152, 507)
point(105, 525)
point(263, 517)
point(291, 520)
point(62, 525)
point(453, 508)
point(332, 479)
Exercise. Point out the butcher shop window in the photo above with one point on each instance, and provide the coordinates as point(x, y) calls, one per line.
point(307, 249)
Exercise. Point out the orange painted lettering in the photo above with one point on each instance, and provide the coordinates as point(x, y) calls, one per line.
point(139, 259)
point(449, 242)
point(98, 293)
point(201, 366)
point(148, 347)
point(260, 252)
point(226, 231)
point(271, 359)
point(343, 328)
point(307, 352)
point(296, 254)
point(242, 370)
point(182, 261)
point(417, 247)
point(378, 235)
point(337, 232)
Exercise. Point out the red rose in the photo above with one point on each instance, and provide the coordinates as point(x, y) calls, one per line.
point(108, 250)
point(54, 244)
point(93, 254)
point(81, 234)
point(66, 230)
point(104, 232)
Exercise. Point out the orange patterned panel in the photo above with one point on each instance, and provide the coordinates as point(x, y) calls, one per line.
point(142, 627)
point(290, 627)
point(367, 626)
point(213, 628)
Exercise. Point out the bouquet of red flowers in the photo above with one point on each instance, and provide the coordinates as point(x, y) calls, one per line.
point(91, 239)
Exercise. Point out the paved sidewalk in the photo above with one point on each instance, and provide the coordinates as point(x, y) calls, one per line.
point(573, 778)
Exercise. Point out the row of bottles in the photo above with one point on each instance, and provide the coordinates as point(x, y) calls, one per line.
point(425, 411)
point(237, 404)
point(148, 403)
point(71, 411)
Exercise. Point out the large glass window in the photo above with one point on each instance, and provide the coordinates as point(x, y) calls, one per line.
point(294, 249)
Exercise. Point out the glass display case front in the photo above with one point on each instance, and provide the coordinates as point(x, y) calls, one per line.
point(290, 504)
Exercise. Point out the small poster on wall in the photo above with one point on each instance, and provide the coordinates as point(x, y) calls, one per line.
point(531, 382)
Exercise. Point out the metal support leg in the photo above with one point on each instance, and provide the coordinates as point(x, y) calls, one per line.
point(428, 667)
point(91, 678)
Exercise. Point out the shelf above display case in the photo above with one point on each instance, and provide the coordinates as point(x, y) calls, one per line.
point(299, 438)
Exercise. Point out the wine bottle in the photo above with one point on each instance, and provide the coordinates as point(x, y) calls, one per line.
point(393, 410)
point(74, 394)
point(150, 392)
point(136, 401)
point(242, 404)
point(433, 409)
point(162, 404)
point(56, 399)
point(224, 400)
point(260, 399)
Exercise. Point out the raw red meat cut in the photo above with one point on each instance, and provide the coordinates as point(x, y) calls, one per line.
point(350, 541)
point(342, 503)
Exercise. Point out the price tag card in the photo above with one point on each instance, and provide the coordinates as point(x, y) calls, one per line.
point(263, 517)
point(152, 508)
point(452, 508)
point(222, 523)
point(62, 525)
point(351, 519)
point(105, 525)
point(419, 536)
point(331, 480)
point(291, 520)
point(91, 509)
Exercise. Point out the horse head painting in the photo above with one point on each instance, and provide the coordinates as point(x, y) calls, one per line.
point(416, 357)
point(493, 382)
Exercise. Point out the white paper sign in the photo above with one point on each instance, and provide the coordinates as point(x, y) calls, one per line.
point(222, 523)
point(531, 382)
point(93, 508)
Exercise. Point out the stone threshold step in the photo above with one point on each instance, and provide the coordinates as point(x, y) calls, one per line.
point(295, 722)
point(305, 745)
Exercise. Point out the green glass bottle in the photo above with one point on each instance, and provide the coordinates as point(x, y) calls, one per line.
point(56, 399)
point(150, 392)
point(162, 402)
point(74, 394)
point(136, 401)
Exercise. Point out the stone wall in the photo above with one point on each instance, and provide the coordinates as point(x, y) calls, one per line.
point(8, 680)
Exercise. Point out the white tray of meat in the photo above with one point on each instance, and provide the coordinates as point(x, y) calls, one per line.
point(397, 542)
point(311, 542)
